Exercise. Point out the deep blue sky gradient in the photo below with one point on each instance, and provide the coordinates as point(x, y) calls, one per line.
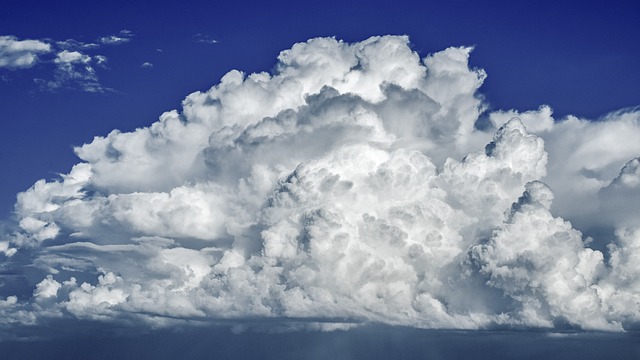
point(579, 57)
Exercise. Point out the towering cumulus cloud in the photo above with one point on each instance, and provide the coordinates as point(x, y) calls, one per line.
point(351, 185)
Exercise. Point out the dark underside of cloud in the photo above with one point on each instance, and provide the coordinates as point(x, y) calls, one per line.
point(351, 186)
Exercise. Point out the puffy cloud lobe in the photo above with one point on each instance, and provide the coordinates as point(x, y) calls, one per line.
point(16, 53)
point(351, 185)
point(6, 249)
point(47, 288)
point(541, 261)
point(70, 57)
point(620, 291)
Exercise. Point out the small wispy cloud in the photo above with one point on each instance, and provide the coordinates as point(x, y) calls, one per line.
point(124, 36)
point(114, 40)
point(101, 60)
point(146, 65)
point(205, 39)
point(74, 70)
point(75, 44)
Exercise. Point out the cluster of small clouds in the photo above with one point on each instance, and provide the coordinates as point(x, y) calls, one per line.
point(74, 68)
point(351, 185)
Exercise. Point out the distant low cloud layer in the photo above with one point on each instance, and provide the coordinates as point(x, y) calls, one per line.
point(351, 185)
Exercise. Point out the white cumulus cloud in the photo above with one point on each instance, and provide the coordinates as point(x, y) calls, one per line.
point(16, 53)
point(350, 185)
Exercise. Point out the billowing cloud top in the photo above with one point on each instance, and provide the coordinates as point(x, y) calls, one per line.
point(351, 185)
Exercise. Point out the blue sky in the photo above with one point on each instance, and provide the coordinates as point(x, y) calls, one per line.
point(200, 203)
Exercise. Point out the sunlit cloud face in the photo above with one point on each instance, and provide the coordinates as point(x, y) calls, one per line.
point(15, 54)
point(351, 185)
